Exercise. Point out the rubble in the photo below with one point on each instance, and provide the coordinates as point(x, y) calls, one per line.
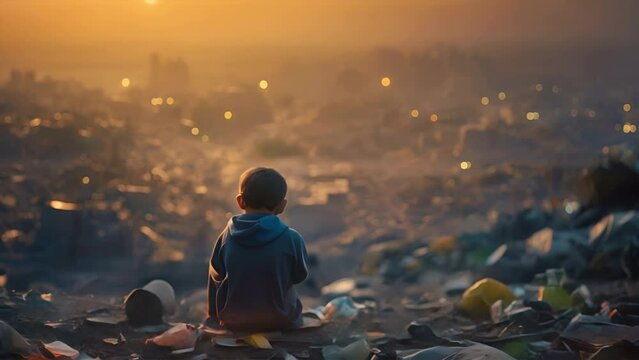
point(96, 199)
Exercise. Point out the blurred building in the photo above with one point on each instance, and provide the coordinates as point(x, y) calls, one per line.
point(168, 78)
point(22, 80)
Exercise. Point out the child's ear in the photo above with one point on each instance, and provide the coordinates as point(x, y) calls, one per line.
point(240, 201)
point(280, 208)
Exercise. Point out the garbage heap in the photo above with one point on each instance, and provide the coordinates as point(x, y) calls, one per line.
point(490, 320)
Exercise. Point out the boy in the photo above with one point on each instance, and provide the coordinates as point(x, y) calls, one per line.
point(257, 259)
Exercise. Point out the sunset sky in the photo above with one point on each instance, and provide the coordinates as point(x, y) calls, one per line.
point(152, 23)
point(99, 40)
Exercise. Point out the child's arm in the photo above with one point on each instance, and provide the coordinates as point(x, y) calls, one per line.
point(217, 270)
point(300, 267)
point(217, 273)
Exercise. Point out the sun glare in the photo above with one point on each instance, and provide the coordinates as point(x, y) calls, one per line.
point(151, 2)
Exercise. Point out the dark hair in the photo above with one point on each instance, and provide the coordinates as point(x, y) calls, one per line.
point(262, 188)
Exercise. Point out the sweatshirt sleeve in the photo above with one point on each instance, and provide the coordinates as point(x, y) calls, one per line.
point(300, 267)
point(217, 269)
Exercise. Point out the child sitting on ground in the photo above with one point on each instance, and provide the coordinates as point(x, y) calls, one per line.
point(257, 259)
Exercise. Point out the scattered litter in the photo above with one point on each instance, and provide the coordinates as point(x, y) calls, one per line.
point(338, 288)
point(432, 353)
point(183, 351)
point(53, 324)
point(258, 341)
point(149, 304)
point(111, 341)
point(60, 349)
point(229, 342)
point(588, 333)
point(443, 244)
point(85, 356)
point(180, 336)
point(255, 340)
point(342, 308)
point(152, 329)
point(309, 323)
point(478, 299)
point(108, 320)
point(357, 350)
point(13, 342)
point(164, 291)
point(553, 293)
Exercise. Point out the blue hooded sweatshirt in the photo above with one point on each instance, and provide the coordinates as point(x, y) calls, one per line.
point(255, 263)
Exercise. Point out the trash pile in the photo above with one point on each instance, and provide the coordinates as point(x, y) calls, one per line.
point(489, 321)
point(595, 239)
point(547, 282)
point(492, 320)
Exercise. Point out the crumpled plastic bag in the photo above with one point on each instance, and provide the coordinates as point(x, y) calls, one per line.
point(342, 307)
point(11, 342)
point(612, 240)
point(180, 336)
point(473, 352)
point(357, 350)
point(592, 332)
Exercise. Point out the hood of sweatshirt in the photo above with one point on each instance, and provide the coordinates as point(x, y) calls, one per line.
point(254, 230)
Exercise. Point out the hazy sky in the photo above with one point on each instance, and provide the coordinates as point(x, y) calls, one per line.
point(101, 41)
point(156, 23)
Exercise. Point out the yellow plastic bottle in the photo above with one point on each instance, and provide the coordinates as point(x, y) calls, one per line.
point(477, 299)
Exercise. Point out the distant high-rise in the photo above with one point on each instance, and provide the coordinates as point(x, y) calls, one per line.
point(22, 80)
point(168, 78)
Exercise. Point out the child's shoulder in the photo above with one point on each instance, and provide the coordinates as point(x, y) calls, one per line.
point(294, 235)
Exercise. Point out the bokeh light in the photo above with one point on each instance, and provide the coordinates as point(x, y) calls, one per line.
point(35, 122)
point(170, 101)
point(86, 180)
point(386, 81)
point(501, 96)
point(465, 165)
point(532, 115)
point(414, 113)
point(434, 117)
point(228, 115)
point(485, 100)
point(629, 128)
point(627, 107)
point(126, 82)
point(263, 84)
point(195, 131)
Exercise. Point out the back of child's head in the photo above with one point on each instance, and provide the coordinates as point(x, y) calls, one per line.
point(262, 188)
